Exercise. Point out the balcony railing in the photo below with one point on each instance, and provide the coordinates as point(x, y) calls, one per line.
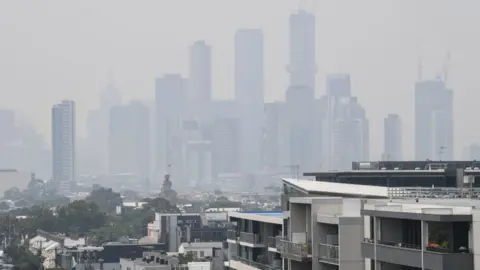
point(232, 235)
point(414, 246)
point(272, 242)
point(257, 264)
point(328, 253)
point(251, 238)
point(294, 251)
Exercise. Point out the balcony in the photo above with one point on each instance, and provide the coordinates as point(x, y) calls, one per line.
point(237, 261)
point(411, 255)
point(232, 236)
point(250, 238)
point(294, 251)
point(273, 242)
point(328, 253)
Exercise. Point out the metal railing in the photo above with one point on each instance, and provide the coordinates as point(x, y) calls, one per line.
point(251, 238)
point(232, 234)
point(256, 264)
point(432, 193)
point(294, 251)
point(328, 253)
point(414, 246)
point(272, 242)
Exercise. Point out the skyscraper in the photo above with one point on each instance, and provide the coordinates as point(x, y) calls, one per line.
point(249, 95)
point(129, 140)
point(346, 128)
point(63, 145)
point(302, 67)
point(299, 108)
point(392, 149)
point(433, 121)
point(170, 111)
point(200, 82)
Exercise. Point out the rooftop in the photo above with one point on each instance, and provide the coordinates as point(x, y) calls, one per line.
point(311, 186)
point(274, 217)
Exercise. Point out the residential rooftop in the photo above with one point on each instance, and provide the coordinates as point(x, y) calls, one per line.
point(274, 217)
point(336, 189)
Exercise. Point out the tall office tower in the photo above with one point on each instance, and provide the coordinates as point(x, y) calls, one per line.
point(392, 147)
point(302, 66)
point(433, 121)
point(97, 130)
point(338, 86)
point(129, 140)
point(350, 134)
point(346, 129)
point(300, 101)
point(63, 145)
point(225, 146)
point(200, 82)
point(249, 96)
point(273, 118)
point(199, 163)
point(170, 105)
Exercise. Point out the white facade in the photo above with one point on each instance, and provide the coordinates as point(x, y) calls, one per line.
point(63, 144)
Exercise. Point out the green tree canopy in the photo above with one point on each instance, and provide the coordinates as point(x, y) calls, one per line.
point(106, 199)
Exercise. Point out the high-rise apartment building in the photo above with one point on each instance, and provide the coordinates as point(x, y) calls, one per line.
point(302, 67)
point(63, 145)
point(129, 140)
point(170, 111)
point(392, 149)
point(249, 95)
point(433, 121)
point(200, 82)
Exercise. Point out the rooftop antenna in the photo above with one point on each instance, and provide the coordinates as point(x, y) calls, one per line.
point(446, 66)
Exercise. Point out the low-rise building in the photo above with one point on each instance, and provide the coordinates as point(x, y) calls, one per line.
point(199, 250)
point(253, 242)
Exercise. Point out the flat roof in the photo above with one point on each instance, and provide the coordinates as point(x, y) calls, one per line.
point(379, 171)
point(312, 186)
point(273, 217)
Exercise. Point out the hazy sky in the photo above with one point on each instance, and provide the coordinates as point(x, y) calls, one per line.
point(51, 50)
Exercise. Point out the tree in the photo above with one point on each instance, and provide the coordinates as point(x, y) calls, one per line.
point(161, 205)
point(80, 217)
point(105, 199)
point(217, 192)
point(4, 206)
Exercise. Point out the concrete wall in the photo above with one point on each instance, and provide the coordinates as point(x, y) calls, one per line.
point(350, 238)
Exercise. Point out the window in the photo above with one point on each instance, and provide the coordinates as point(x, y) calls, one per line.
point(202, 254)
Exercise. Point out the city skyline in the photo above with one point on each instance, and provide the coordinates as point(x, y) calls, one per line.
point(391, 56)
